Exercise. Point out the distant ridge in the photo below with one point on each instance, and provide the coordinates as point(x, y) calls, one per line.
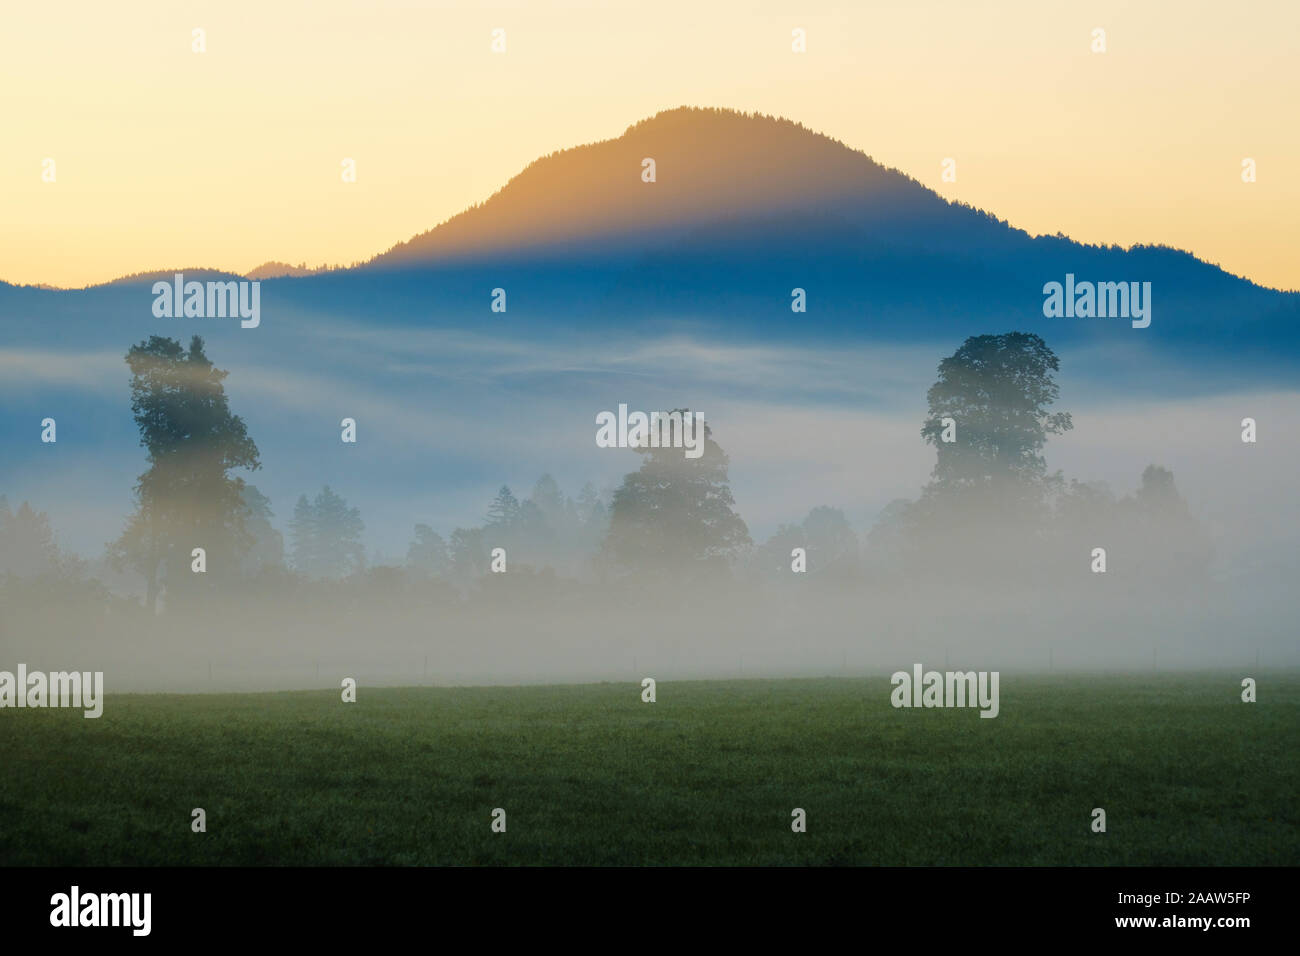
point(198, 274)
point(281, 270)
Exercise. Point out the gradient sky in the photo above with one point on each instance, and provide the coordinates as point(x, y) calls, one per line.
point(168, 158)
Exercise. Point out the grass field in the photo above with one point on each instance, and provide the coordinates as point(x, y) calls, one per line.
point(709, 774)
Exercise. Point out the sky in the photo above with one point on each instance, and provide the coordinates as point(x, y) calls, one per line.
point(164, 157)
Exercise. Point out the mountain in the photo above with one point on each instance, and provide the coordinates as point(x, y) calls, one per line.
point(711, 166)
point(745, 208)
point(670, 293)
point(742, 210)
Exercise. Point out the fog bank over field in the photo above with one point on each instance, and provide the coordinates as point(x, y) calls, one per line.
point(315, 643)
point(828, 528)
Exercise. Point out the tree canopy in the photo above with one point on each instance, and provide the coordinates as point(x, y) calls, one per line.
point(186, 499)
point(676, 515)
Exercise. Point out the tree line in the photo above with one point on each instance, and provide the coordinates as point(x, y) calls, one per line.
point(990, 515)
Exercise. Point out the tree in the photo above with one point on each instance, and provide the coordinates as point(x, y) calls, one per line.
point(676, 515)
point(829, 541)
point(589, 508)
point(1158, 496)
point(302, 535)
point(890, 540)
point(985, 514)
point(997, 390)
point(503, 512)
point(267, 548)
point(186, 499)
point(549, 501)
point(1176, 551)
point(428, 552)
point(772, 559)
point(593, 519)
point(326, 536)
point(470, 553)
point(832, 544)
point(27, 545)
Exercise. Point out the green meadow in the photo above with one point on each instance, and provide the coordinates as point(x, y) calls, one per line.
point(706, 775)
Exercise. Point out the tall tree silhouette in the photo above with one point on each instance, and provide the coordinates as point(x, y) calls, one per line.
point(997, 390)
point(187, 499)
point(987, 506)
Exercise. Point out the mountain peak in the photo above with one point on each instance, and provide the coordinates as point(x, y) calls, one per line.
point(669, 173)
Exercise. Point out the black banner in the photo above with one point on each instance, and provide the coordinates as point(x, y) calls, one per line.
point(364, 904)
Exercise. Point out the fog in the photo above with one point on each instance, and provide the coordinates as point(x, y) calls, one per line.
point(1200, 566)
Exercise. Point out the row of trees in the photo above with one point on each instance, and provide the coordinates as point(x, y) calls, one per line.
point(991, 509)
point(27, 545)
point(546, 529)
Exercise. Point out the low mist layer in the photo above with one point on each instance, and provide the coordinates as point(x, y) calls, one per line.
point(995, 562)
